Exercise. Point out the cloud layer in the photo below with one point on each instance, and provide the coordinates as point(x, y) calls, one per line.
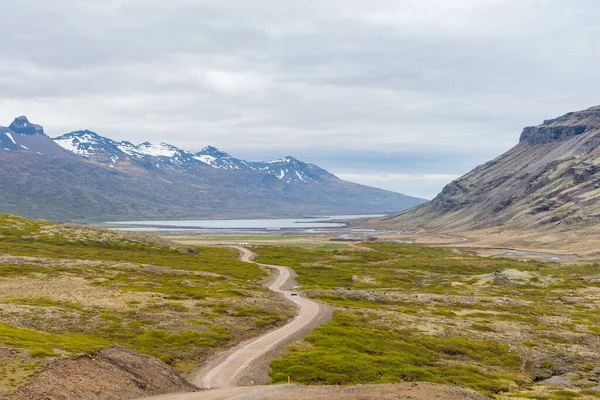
point(383, 92)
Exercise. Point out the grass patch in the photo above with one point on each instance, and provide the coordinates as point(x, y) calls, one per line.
point(165, 290)
point(41, 341)
point(415, 313)
point(348, 350)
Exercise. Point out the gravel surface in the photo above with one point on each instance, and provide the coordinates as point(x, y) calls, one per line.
point(405, 391)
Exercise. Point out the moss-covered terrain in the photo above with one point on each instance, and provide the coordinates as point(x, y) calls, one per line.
point(508, 329)
point(67, 290)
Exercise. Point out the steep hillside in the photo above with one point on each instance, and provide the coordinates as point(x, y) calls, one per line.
point(84, 176)
point(549, 179)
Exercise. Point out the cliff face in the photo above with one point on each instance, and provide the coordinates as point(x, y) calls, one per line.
point(561, 128)
point(550, 178)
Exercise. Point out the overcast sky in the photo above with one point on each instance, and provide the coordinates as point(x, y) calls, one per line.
point(400, 94)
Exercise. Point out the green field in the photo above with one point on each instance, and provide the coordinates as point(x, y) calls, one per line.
point(66, 290)
point(415, 313)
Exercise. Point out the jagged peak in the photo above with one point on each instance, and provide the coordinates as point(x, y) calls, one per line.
point(284, 160)
point(212, 151)
point(22, 126)
point(80, 133)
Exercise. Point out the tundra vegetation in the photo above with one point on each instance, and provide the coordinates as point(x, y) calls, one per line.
point(505, 328)
point(66, 290)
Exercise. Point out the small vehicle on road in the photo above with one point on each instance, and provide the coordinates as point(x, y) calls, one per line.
point(294, 292)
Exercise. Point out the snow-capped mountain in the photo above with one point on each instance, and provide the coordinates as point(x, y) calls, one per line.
point(93, 146)
point(89, 144)
point(217, 158)
point(289, 169)
point(83, 175)
point(101, 149)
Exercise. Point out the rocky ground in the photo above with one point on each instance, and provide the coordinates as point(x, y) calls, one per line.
point(406, 391)
point(110, 373)
point(402, 391)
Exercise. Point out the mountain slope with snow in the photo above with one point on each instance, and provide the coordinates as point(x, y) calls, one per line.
point(93, 146)
point(84, 176)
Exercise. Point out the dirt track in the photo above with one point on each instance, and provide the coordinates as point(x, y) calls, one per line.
point(225, 372)
point(412, 391)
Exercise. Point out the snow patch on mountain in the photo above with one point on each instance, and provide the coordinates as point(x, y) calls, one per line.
point(128, 148)
point(71, 145)
point(210, 160)
point(157, 150)
point(163, 155)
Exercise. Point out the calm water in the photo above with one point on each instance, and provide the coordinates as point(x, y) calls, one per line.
point(237, 225)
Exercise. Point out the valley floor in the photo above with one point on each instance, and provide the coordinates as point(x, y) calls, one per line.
point(402, 313)
point(504, 328)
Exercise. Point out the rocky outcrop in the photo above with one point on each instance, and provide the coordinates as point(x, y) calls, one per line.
point(545, 134)
point(564, 127)
point(111, 373)
point(22, 126)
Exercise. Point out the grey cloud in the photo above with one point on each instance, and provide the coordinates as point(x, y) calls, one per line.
point(330, 80)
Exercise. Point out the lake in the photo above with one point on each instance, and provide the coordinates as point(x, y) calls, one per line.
point(308, 225)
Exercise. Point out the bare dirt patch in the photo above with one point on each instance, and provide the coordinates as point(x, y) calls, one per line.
point(111, 373)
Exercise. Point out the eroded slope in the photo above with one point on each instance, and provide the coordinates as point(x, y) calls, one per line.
point(549, 178)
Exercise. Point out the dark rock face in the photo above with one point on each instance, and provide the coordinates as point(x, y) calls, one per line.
point(21, 125)
point(543, 134)
point(564, 127)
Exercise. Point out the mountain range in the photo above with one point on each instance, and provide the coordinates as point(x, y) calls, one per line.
point(84, 176)
point(549, 179)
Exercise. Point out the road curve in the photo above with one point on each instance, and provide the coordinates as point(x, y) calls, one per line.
point(226, 373)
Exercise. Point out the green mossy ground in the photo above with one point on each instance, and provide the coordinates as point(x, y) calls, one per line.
point(177, 303)
point(415, 313)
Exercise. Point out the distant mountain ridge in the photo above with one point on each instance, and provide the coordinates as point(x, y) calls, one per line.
point(85, 176)
point(95, 147)
point(550, 178)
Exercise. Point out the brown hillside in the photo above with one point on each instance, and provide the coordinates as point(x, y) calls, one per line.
point(549, 179)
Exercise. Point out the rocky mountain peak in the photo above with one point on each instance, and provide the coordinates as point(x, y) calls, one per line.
point(22, 126)
point(212, 151)
point(563, 127)
point(84, 132)
point(285, 160)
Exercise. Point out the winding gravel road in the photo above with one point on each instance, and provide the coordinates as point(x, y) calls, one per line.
point(225, 373)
